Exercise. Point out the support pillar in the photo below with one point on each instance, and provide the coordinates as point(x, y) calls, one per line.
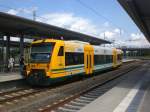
point(21, 52)
point(7, 52)
point(2, 53)
point(22, 45)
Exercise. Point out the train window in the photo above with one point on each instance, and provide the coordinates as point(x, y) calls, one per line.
point(90, 60)
point(102, 59)
point(111, 58)
point(72, 58)
point(98, 59)
point(108, 58)
point(61, 51)
point(87, 61)
point(95, 59)
point(41, 53)
point(69, 59)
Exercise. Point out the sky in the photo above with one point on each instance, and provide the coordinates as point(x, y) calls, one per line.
point(100, 18)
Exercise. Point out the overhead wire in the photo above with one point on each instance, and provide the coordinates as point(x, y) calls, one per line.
point(100, 15)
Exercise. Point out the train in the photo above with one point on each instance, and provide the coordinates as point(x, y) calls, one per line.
point(53, 61)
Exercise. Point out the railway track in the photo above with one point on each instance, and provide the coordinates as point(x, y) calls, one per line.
point(14, 95)
point(74, 103)
point(2, 93)
point(24, 96)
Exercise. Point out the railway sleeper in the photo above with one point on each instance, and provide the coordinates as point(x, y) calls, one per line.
point(72, 107)
point(77, 103)
point(90, 96)
point(82, 101)
point(61, 109)
point(83, 97)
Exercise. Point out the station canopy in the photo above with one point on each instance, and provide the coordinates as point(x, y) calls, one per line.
point(14, 25)
point(139, 11)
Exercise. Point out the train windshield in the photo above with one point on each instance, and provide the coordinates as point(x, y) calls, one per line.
point(41, 53)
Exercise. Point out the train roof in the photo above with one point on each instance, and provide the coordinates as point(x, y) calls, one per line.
point(76, 42)
point(102, 47)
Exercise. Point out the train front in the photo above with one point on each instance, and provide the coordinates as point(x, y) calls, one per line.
point(39, 65)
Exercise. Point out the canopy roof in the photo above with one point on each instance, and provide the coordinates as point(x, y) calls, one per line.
point(14, 25)
point(139, 11)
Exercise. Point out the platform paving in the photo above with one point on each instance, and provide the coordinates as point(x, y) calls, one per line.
point(10, 76)
point(131, 95)
point(145, 104)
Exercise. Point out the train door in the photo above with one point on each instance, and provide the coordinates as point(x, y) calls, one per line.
point(91, 61)
point(88, 59)
point(58, 60)
point(61, 59)
point(114, 57)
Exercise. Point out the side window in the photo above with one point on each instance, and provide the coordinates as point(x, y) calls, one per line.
point(61, 51)
point(74, 58)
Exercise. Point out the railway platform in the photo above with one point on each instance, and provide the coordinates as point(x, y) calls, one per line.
point(128, 60)
point(10, 76)
point(131, 95)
